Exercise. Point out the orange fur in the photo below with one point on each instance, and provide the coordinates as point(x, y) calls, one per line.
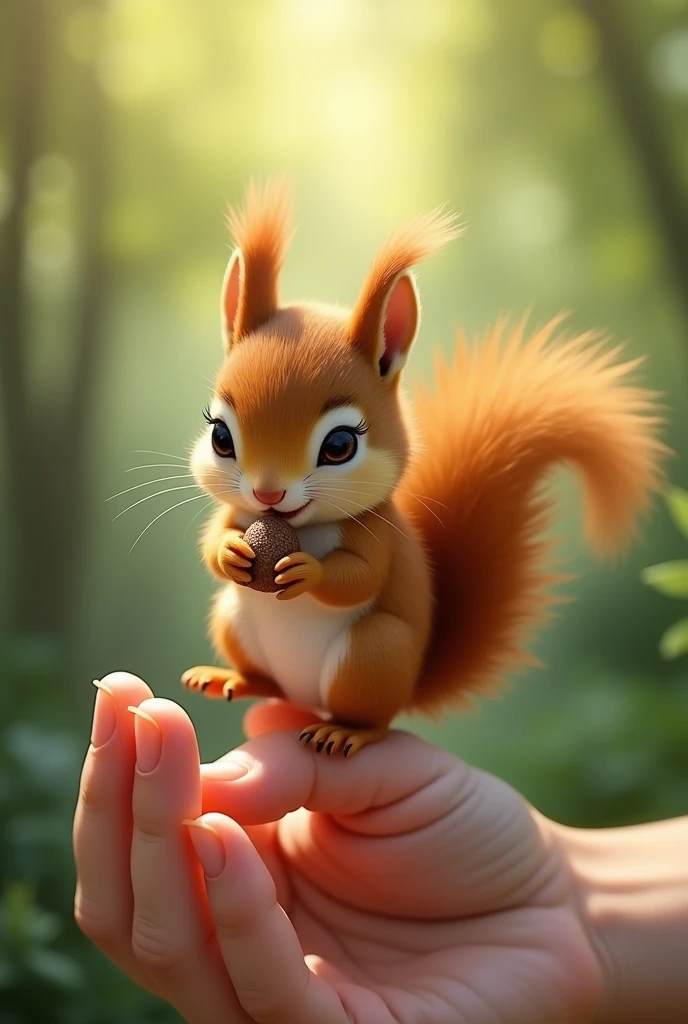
point(356, 572)
point(496, 421)
point(377, 679)
point(260, 229)
point(438, 567)
point(418, 240)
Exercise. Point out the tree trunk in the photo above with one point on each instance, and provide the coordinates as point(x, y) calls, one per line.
point(633, 101)
point(28, 18)
point(47, 447)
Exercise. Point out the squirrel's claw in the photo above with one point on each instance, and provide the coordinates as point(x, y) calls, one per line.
point(218, 683)
point(333, 738)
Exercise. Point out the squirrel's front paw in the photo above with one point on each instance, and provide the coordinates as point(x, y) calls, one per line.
point(297, 574)
point(224, 683)
point(234, 557)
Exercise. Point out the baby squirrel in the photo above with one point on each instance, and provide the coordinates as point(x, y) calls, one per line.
point(421, 526)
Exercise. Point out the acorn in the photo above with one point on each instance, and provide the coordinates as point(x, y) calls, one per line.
point(272, 538)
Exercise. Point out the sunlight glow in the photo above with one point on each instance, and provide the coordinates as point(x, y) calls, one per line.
point(669, 62)
point(128, 72)
point(535, 213)
point(320, 20)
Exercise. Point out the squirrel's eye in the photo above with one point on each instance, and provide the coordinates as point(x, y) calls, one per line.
point(222, 440)
point(339, 446)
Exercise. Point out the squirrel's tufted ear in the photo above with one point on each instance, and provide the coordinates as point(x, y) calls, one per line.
point(385, 319)
point(399, 324)
point(261, 231)
point(231, 287)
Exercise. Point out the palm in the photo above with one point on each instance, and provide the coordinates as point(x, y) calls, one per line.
point(446, 973)
point(448, 904)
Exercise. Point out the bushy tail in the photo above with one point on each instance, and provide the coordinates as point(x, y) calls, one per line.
point(496, 420)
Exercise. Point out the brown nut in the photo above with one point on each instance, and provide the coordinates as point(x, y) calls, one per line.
point(272, 538)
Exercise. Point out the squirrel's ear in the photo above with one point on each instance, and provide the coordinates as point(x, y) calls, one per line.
point(231, 289)
point(385, 318)
point(387, 337)
point(400, 322)
point(260, 228)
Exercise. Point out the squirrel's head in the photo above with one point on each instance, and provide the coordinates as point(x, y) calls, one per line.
point(307, 414)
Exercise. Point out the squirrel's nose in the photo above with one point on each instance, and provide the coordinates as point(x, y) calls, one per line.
point(269, 497)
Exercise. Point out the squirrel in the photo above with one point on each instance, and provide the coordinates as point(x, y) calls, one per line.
point(423, 560)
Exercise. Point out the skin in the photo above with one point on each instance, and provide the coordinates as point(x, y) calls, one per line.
point(407, 887)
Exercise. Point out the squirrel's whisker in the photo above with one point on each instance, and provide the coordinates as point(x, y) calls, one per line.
point(362, 508)
point(155, 465)
point(195, 517)
point(168, 465)
point(350, 490)
point(348, 515)
point(148, 483)
point(195, 497)
point(168, 490)
point(413, 494)
point(426, 506)
point(167, 455)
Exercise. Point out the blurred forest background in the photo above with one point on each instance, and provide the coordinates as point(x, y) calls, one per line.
point(558, 130)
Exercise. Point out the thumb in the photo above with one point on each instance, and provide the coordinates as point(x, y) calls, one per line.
point(275, 714)
point(272, 774)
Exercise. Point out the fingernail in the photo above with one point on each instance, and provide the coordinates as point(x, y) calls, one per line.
point(228, 770)
point(104, 715)
point(209, 848)
point(148, 740)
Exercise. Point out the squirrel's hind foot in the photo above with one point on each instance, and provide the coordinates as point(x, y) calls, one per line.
point(333, 738)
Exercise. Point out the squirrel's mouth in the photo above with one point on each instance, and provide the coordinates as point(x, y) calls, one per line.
point(295, 512)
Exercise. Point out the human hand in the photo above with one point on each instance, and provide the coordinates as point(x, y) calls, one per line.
point(405, 887)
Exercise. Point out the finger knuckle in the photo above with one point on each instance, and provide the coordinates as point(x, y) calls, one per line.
point(94, 797)
point(94, 921)
point(149, 832)
point(238, 919)
point(267, 1008)
point(156, 947)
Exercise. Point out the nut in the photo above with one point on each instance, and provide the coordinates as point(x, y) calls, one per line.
point(272, 538)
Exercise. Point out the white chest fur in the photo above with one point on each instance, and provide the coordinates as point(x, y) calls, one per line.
point(297, 643)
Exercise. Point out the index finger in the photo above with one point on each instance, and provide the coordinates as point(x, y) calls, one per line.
point(103, 904)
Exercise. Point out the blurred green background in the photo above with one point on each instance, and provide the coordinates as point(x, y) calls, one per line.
point(557, 130)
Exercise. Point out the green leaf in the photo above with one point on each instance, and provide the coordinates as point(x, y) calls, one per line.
point(677, 503)
point(675, 641)
point(670, 578)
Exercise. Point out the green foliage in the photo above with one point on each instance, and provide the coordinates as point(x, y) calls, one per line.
point(614, 749)
point(26, 932)
point(671, 578)
point(48, 970)
point(677, 503)
point(675, 640)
